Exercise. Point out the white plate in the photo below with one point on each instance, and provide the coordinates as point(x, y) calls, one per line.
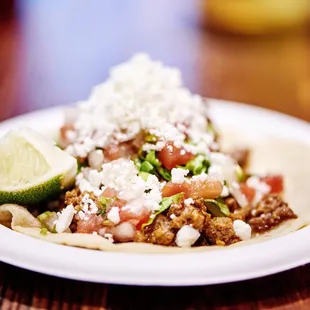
point(218, 266)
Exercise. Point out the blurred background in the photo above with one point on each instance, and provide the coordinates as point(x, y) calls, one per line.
point(256, 51)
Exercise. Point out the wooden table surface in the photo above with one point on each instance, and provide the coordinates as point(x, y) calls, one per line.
point(53, 52)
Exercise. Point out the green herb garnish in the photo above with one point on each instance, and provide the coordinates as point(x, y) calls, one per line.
point(47, 220)
point(43, 231)
point(151, 158)
point(165, 173)
point(104, 201)
point(150, 138)
point(144, 175)
point(217, 208)
point(146, 166)
point(164, 205)
point(198, 165)
point(240, 174)
point(137, 163)
point(211, 129)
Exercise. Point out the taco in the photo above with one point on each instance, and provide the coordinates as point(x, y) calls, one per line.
point(154, 174)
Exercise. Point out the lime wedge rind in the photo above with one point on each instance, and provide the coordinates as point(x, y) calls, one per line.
point(33, 167)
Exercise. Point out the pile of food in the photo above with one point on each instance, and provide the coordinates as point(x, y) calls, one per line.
point(150, 168)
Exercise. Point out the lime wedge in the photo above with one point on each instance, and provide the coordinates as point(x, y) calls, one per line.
point(32, 167)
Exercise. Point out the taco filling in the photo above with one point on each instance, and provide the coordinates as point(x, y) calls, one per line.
point(152, 169)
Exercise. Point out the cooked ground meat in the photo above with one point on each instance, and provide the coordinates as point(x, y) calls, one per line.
point(270, 212)
point(74, 197)
point(160, 232)
point(242, 214)
point(87, 226)
point(187, 215)
point(220, 231)
point(165, 227)
point(232, 204)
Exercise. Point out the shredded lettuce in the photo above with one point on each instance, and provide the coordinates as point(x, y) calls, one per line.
point(217, 208)
point(198, 165)
point(164, 205)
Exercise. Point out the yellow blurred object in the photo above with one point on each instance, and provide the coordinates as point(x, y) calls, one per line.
point(255, 16)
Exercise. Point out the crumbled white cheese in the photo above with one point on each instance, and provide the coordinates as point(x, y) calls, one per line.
point(156, 147)
point(84, 184)
point(178, 175)
point(242, 230)
point(71, 135)
point(94, 178)
point(223, 167)
point(225, 191)
point(88, 205)
point(202, 177)
point(64, 219)
point(189, 201)
point(121, 175)
point(113, 215)
point(261, 188)
point(135, 206)
point(172, 216)
point(186, 236)
point(238, 195)
point(140, 94)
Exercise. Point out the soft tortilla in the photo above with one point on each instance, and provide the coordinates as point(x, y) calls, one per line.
point(289, 158)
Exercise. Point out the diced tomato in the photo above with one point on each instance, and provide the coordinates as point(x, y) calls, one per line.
point(109, 193)
point(172, 156)
point(208, 189)
point(275, 182)
point(119, 203)
point(248, 191)
point(112, 193)
point(116, 151)
point(136, 219)
point(171, 189)
point(93, 223)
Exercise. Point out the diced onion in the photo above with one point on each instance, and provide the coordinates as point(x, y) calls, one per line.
point(95, 159)
point(124, 232)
